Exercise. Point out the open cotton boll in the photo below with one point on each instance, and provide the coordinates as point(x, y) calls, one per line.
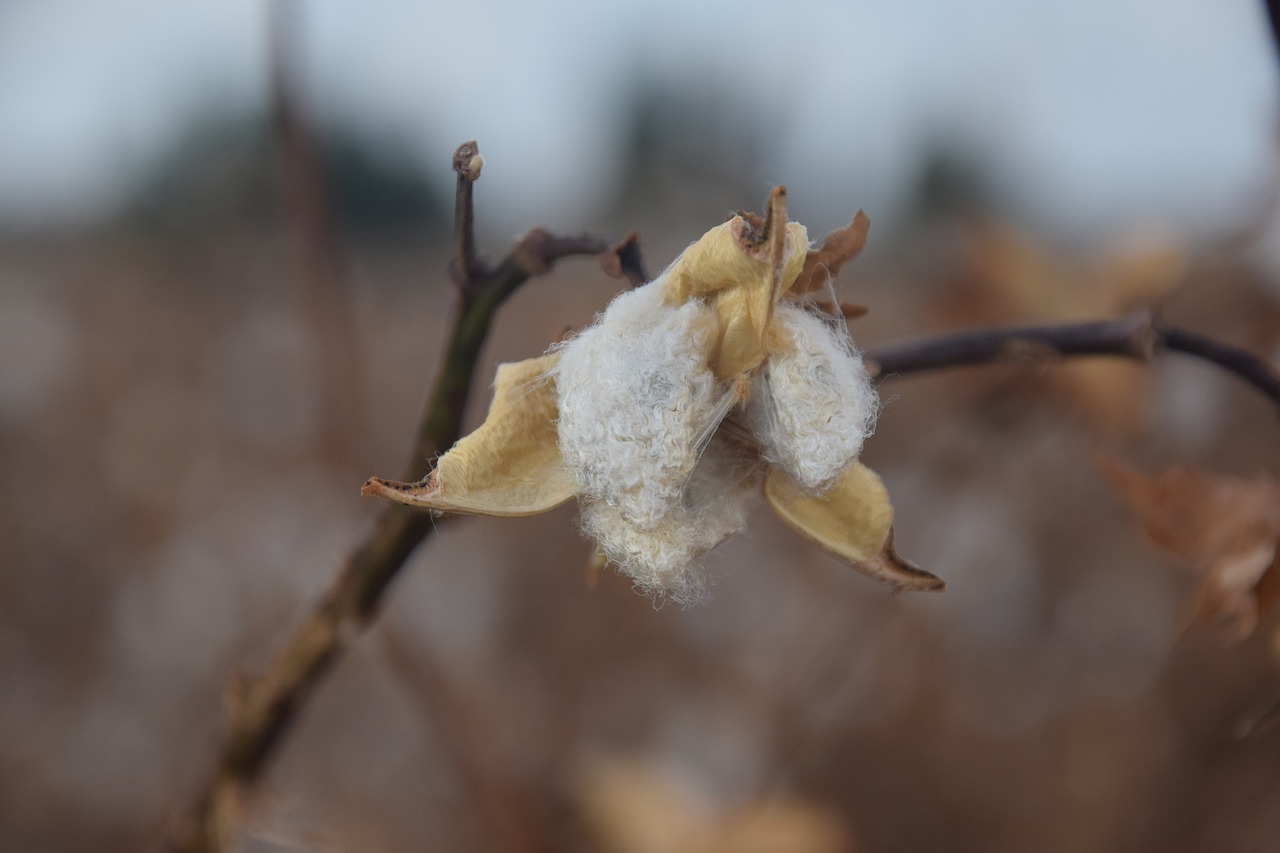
point(662, 560)
point(636, 398)
point(814, 404)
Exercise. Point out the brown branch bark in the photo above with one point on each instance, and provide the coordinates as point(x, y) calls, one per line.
point(270, 705)
point(1139, 336)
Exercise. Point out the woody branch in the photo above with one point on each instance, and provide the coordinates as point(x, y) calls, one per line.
point(265, 714)
point(1140, 336)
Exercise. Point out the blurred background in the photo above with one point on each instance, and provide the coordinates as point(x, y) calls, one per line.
point(205, 349)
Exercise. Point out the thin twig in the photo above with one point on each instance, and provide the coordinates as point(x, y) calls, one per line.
point(1233, 359)
point(1139, 336)
point(348, 605)
point(466, 267)
point(262, 719)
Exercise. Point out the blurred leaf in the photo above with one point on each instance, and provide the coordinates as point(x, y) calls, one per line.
point(1007, 276)
point(838, 248)
point(1226, 529)
point(640, 806)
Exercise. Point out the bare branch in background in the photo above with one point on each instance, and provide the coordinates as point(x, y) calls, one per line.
point(1140, 336)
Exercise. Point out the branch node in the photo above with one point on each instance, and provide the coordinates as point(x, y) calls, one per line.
point(533, 253)
point(624, 260)
point(1145, 338)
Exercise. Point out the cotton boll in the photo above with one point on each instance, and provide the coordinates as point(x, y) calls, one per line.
point(637, 398)
point(814, 403)
point(662, 559)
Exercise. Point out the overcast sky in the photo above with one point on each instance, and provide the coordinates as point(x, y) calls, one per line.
point(1094, 111)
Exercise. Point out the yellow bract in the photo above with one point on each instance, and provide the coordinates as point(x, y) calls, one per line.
point(852, 519)
point(511, 465)
point(741, 269)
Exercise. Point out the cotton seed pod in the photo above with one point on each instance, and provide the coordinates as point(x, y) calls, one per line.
point(667, 413)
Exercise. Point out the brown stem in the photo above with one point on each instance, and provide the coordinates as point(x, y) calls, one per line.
point(1139, 336)
point(270, 705)
point(467, 162)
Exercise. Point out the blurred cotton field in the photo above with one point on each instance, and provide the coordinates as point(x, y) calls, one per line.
point(187, 414)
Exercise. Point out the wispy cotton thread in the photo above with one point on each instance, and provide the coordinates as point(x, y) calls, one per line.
point(813, 405)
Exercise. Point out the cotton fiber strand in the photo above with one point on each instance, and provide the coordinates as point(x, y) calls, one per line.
point(813, 405)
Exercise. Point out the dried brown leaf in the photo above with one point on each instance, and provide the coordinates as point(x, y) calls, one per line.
point(1009, 276)
point(838, 248)
point(1225, 528)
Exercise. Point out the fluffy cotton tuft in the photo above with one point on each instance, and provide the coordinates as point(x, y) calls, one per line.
point(662, 560)
point(637, 402)
point(813, 405)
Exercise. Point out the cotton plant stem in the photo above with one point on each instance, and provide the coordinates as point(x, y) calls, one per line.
point(1139, 336)
point(267, 710)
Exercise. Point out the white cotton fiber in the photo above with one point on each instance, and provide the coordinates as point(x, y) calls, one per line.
point(814, 404)
point(637, 398)
point(662, 560)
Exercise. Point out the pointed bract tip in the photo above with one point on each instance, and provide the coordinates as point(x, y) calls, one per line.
point(411, 493)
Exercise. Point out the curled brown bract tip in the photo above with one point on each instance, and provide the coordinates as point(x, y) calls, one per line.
point(378, 487)
point(906, 575)
point(838, 248)
point(853, 521)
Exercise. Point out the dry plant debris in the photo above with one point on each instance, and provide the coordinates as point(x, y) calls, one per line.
point(1006, 276)
point(1226, 529)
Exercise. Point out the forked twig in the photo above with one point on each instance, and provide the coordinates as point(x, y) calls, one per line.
point(1139, 336)
point(270, 704)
